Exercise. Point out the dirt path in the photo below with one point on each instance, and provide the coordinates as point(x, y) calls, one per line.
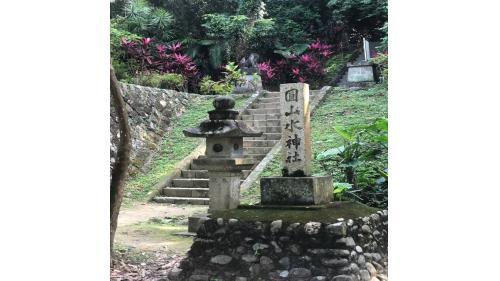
point(143, 212)
point(145, 242)
point(151, 227)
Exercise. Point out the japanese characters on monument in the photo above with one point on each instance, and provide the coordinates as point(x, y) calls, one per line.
point(296, 129)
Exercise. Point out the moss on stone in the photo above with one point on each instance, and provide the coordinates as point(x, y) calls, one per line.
point(344, 209)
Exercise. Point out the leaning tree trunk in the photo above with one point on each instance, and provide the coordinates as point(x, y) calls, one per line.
point(123, 156)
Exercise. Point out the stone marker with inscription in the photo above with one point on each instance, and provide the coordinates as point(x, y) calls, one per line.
point(296, 131)
point(296, 186)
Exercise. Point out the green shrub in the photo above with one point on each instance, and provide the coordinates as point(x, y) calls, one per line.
point(232, 74)
point(171, 81)
point(122, 70)
point(116, 35)
point(143, 19)
point(381, 61)
point(336, 63)
point(362, 160)
point(210, 87)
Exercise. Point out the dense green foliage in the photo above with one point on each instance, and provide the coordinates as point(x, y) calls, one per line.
point(232, 78)
point(362, 160)
point(363, 17)
point(214, 32)
point(172, 81)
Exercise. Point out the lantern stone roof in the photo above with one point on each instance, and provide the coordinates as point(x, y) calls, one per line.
point(222, 122)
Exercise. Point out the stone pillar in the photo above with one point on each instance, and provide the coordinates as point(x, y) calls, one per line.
point(296, 187)
point(296, 129)
point(224, 190)
point(366, 49)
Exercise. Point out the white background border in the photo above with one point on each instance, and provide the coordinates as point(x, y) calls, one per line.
point(444, 155)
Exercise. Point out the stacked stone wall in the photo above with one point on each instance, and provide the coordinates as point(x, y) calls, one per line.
point(149, 113)
point(346, 250)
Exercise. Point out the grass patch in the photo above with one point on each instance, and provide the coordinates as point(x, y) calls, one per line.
point(175, 147)
point(151, 235)
point(340, 107)
point(130, 254)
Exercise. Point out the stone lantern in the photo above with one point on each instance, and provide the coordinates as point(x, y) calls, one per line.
point(224, 153)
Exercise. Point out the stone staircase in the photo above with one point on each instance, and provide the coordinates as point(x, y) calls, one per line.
point(263, 115)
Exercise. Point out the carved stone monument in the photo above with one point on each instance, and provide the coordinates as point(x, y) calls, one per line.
point(296, 186)
point(224, 153)
point(252, 81)
point(296, 131)
point(361, 73)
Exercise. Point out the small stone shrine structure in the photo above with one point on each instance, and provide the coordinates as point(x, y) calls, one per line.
point(252, 81)
point(224, 153)
point(296, 187)
point(361, 73)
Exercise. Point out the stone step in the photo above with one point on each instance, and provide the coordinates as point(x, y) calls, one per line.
point(187, 183)
point(271, 94)
point(182, 200)
point(268, 105)
point(263, 111)
point(267, 136)
point(203, 174)
point(198, 174)
point(185, 192)
point(268, 129)
point(256, 150)
point(257, 157)
point(260, 116)
point(263, 123)
point(203, 166)
point(269, 100)
point(245, 173)
point(259, 143)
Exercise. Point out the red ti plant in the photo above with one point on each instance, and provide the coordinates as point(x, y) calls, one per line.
point(139, 50)
point(307, 67)
point(266, 71)
point(160, 57)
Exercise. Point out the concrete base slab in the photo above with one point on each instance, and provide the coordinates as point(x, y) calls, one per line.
point(186, 234)
point(296, 190)
point(360, 72)
point(195, 221)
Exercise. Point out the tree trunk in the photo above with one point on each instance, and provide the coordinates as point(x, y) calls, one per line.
point(119, 174)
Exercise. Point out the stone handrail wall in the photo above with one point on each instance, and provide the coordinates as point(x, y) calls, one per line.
point(149, 113)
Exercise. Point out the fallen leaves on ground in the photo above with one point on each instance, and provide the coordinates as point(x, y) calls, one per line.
point(155, 268)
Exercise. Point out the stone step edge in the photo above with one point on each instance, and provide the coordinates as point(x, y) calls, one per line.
point(205, 201)
point(184, 188)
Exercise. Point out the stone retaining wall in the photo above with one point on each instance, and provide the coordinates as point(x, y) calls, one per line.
point(149, 111)
point(347, 250)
